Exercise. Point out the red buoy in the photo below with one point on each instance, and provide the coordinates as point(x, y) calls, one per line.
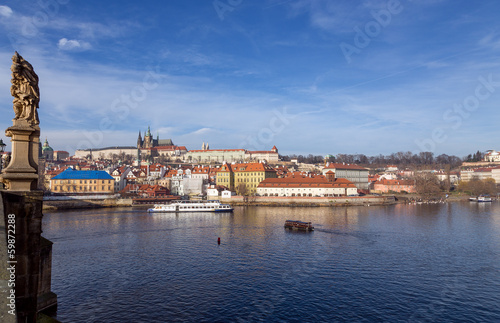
point(218, 240)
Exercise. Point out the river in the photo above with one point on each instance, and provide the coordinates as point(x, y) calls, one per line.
point(401, 263)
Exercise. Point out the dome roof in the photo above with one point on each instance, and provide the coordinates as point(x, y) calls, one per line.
point(46, 146)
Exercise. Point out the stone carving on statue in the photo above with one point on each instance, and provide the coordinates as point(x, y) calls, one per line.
point(25, 90)
point(5, 161)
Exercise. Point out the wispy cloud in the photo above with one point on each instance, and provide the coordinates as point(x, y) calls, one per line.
point(5, 11)
point(72, 44)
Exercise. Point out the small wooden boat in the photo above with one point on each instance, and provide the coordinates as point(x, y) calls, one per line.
point(298, 225)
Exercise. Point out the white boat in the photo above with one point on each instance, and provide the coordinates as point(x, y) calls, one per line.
point(480, 199)
point(484, 199)
point(192, 206)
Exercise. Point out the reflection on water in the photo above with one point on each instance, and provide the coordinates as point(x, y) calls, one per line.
point(423, 263)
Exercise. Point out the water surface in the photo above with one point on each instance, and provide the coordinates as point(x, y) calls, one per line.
point(365, 264)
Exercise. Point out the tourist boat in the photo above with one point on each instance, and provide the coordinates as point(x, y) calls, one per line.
point(484, 199)
point(298, 225)
point(473, 199)
point(192, 206)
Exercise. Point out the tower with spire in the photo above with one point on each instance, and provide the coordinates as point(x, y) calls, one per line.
point(139, 140)
point(148, 139)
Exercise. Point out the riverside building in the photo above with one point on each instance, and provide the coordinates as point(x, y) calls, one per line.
point(244, 177)
point(307, 184)
point(82, 181)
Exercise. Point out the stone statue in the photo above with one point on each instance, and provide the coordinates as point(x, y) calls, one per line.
point(25, 90)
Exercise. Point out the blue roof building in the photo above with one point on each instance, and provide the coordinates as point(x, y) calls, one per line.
point(82, 182)
point(83, 174)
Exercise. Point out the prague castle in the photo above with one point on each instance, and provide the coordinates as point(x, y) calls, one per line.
point(149, 142)
point(145, 147)
point(156, 147)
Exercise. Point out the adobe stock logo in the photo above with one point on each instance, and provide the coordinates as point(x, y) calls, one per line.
point(456, 116)
point(265, 135)
point(363, 37)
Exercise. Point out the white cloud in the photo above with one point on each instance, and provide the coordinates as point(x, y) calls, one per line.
point(5, 11)
point(202, 131)
point(72, 44)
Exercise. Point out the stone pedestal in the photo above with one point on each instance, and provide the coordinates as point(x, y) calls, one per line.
point(27, 210)
point(47, 300)
point(22, 172)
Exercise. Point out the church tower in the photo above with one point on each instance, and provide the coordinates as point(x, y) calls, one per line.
point(139, 140)
point(47, 151)
point(148, 139)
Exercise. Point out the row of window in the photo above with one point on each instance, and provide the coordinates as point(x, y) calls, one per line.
point(73, 181)
point(246, 180)
point(81, 189)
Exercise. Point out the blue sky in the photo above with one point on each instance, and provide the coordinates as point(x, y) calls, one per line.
point(309, 76)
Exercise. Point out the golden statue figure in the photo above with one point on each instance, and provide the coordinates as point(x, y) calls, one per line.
point(25, 90)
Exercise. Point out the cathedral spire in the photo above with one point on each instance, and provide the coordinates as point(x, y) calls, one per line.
point(139, 140)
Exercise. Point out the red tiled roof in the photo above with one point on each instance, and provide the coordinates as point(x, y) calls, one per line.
point(246, 167)
point(225, 168)
point(170, 173)
point(200, 170)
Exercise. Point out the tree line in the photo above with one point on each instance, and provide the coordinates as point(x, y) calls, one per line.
point(408, 158)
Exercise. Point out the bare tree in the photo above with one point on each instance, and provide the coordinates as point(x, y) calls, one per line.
point(242, 190)
point(427, 185)
point(478, 187)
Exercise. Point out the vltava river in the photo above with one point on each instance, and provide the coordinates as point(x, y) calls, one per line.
point(421, 263)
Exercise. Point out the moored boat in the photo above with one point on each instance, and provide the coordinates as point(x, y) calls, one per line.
point(484, 199)
point(192, 206)
point(480, 199)
point(298, 225)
